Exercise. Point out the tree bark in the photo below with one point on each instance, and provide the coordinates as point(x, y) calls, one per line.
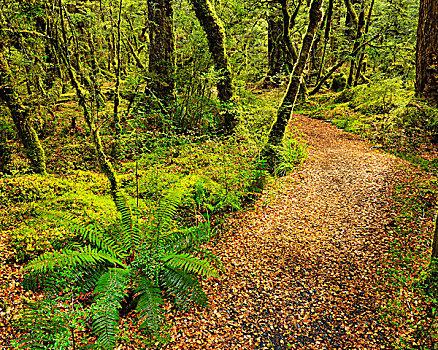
point(288, 24)
point(21, 116)
point(215, 32)
point(275, 57)
point(327, 31)
point(285, 109)
point(162, 49)
point(59, 44)
point(361, 64)
point(351, 18)
point(357, 41)
point(426, 85)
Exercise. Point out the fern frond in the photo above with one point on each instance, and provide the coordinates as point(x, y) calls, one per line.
point(129, 230)
point(149, 305)
point(183, 287)
point(84, 257)
point(39, 322)
point(111, 290)
point(190, 264)
point(167, 209)
point(95, 234)
point(212, 258)
point(188, 239)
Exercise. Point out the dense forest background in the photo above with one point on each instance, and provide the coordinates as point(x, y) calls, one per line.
point(129, 131)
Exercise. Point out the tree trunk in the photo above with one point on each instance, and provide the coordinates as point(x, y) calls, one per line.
point(351, 18)
point(357, 41)
point(327, 31)
point(278, 128)
point(427, 51)
point(361, 65)
point(162, 49)
point(275, 57)
point(288, 23)
point(215, 33)
point(21, 116)
point(59, 44)
point(281, 51)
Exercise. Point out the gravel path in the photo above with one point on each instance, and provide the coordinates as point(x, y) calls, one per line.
point(301, 265)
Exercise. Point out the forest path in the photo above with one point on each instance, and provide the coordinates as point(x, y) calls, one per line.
point(301, 265)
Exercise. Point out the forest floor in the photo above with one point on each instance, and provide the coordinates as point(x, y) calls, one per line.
point(302, 266)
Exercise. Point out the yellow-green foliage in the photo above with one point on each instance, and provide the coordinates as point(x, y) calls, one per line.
point(382, 97)
point(368, 109)
point(199, 189)
point(27, 242)
point(26, 199)
point(31, 188)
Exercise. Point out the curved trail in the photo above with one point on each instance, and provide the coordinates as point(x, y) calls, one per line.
point(301, 265)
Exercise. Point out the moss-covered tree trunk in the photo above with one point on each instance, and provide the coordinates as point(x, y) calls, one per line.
point(215, 32)
point(162, 49)
point(59, 44)
point(21, 115)
point(351, 18)
point(278, 128)
point(361, 65)
point(427, 51)
point(357, 42)
point(327, 31)
point(288, 24)
point(275, 57)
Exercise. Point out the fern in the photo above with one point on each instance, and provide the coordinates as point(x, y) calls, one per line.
point(96, 235)
point(125, 258)
point(111, 290)
point(190, 264)
point(166, 210)
point(129, 232)
point(185, 288)
point(84, 257)
point(188, 239)
point(149, 305)
point(41, 323)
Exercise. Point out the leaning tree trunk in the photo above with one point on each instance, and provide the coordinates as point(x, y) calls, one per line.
point(59, 44)
point(278, 128)
point(162, 49)
point(21, 116)
point(215, 33)
point(427, 51)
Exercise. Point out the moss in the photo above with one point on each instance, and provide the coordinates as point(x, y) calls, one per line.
point(31, 188)
point(339, 82)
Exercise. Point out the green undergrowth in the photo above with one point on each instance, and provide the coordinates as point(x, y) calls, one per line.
point(213, 176)
point(387, 114)
point(413, 307)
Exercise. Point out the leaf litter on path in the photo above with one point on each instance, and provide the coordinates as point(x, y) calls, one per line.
point(301, 266)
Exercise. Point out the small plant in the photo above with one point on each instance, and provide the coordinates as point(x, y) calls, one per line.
point(293, 153)
point(130, 262)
